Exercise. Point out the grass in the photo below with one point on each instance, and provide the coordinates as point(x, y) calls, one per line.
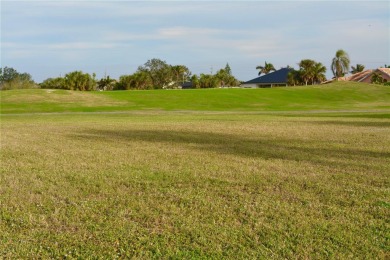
point(229, 184)
point(337, 96)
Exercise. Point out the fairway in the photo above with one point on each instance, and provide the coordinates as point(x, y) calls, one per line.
point(278, 173)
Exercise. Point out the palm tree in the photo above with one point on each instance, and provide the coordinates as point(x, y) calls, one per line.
point(358, 68)
point(340, 64)
point(319, 71)
point(294, 77)
point(267, 68)
point(306, 68)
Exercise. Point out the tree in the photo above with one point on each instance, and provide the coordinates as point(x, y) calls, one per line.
point(225, 79)
point(139, 81)
point(12, 79)
point(319, 71)
point(106, 83)
point(77, 80)
point(306, 68)
point(267, 68)
point(208, 81)
point(310, 72)
point(376, 78)
point(358, 68)
point(181, 73)
point(294, 77)
point(195, 81)
point(340, 64)
point(53, 83)
point(228, 70)
point(159, 72)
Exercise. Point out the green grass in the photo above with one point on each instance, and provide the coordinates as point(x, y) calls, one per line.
point(337, 96)
point(206, 183)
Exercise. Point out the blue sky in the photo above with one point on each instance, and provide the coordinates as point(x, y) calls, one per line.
point(52, 38)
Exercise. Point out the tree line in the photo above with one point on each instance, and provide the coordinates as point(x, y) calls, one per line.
point(311, 72)
point(12, 79)
point(158, 74)
point(154, 74)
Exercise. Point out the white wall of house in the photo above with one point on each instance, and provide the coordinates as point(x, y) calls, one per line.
point(249, 86)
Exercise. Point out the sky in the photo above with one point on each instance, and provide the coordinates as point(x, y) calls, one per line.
point(51, 38)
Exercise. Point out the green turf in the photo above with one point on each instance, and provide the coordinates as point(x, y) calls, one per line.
point(336, 96)
point(162, 180)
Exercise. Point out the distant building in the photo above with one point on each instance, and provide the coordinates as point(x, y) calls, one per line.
point(365, 76)
point(274, 79)
point(186, 85)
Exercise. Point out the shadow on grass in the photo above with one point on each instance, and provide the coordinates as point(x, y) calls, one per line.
point(352, 123)
point(261, 147)
point(343, 115)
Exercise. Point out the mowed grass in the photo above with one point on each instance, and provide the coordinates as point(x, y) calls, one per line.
point(336, 96)
point(168, 183)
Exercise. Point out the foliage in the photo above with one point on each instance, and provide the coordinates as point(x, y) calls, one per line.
point(53, 83)
point(181, 74)
point(225, 78)
point(377, 78)
point(10, 78)
point(208, 81)
point(340, 64)
point(106, 83)
point(195, 81)
point(294, 78)
point(310, 72)
point(137, 81)
point(159, 72)
point(77, 80)
point(319, 71)
point(306, 68)
point(267, 68)
point(228, 70)
point(358, 68)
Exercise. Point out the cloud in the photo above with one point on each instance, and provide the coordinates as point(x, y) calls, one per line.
point(203, 33)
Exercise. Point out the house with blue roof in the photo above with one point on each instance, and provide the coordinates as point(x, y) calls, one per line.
point(274, 79)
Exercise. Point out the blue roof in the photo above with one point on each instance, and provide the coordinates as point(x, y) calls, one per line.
point(276, 77)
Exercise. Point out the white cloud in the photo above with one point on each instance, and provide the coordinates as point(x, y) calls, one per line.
point(192, 32)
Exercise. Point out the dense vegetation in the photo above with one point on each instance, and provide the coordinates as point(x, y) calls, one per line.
point(154, 74)
point(12, 79)
point(157, 74)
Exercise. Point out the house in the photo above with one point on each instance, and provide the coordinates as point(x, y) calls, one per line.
point(274, 79)
point(186, 85)
point(365, 76)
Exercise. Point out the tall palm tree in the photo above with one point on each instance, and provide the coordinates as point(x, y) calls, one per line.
point(306, 68)
point(340, 64)
point(358, 68)
point(267, 68)
point(319, 71)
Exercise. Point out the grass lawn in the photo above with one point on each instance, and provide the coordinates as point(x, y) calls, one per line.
point(238, 183)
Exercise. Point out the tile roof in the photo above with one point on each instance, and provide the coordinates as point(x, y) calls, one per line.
point(385, 70)
point(365, 75)
point(357, 76)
